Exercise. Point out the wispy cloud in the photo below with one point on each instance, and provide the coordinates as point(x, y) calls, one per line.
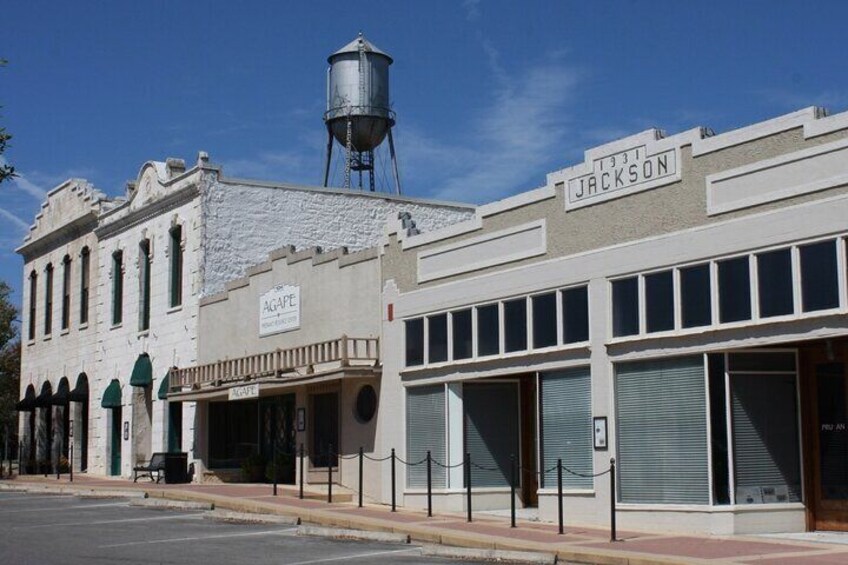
point(472, 9)
point(16, 221)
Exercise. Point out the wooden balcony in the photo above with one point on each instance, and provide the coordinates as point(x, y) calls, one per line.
point(292, 363)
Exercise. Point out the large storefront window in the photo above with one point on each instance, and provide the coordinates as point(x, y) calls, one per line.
point(425, 431)
point(566, 402)
point(233, 430)
point(662, 431)
point(766, 454)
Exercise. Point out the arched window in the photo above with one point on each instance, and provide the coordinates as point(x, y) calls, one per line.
point(48, 299)
point(117, 287)
point(33, 290)
point(144, 285)
point(85, 279)
point(66, 292)
point(176, 256)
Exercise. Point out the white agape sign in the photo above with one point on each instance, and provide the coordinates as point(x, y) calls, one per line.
point(279, 310)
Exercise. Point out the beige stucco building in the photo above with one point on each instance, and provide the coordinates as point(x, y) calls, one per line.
point(677, 303)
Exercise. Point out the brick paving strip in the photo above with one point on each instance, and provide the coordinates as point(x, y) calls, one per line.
point(577, 545)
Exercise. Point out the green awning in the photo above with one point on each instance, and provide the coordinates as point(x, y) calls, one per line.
point(27, 403)
point(80, 391)
point(142, 374)
point(60, 398)
point(112, 395)
point(45, 397)
point(163, 387)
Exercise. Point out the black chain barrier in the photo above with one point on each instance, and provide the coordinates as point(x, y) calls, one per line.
point(515, 471)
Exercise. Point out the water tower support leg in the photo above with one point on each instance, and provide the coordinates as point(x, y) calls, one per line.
point(328, 156)
point(394, 162)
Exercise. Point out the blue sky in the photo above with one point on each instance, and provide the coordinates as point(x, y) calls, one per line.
point(490, 96)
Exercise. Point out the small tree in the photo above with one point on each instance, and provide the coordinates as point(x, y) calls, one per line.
point(10, 371)
point(6, 171)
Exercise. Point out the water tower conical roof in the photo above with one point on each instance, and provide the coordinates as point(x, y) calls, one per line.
point(353, 47)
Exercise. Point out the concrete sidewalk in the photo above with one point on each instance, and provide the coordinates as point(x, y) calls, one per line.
point(577, 545)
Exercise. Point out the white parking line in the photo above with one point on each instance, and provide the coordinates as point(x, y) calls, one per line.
point(358, 556)
point(155, 518)
point(288, 531)
point(60, 508)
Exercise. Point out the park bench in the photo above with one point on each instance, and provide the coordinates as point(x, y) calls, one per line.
point(156, 466)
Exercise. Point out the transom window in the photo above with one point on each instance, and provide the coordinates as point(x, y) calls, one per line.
point(552, 318)
point(792, 281)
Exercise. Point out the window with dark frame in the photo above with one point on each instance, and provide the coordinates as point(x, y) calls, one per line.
point(144, 285)
point(85, 279)
point(695, 296)
point(734, 290)
point(774, 283)
point(488, 330)
point(625, 307)
point(437, 338)
point(515, 325)
point(176, 253)
point(544, 320)
point(819, 276)
point(414, 342)
point(66, 292)
point(33, 291)
point(462, 336)
point(659, 302)
point(48, 299)
point(117, 287)
point(575, 314)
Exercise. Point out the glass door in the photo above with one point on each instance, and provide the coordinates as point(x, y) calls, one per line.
point(116, 442)
point(831, 444)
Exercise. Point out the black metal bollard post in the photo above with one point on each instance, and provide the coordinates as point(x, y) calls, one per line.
point(330, 474)
point(71, 463)
point(612, 499)
point(301, 471)
point(468, 486)
point(429, 485)
point(559, 495)
point(274, 465)
point(58, 464)
point(394, 490)
point(361, 458)
point(20, 458)
point(512, 491)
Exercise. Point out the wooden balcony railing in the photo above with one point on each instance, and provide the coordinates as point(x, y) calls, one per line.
point(344, 351)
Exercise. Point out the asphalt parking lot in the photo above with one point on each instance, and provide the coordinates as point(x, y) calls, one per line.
point(57, 529)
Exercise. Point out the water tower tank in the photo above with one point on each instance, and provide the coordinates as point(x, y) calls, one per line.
point(358, 95)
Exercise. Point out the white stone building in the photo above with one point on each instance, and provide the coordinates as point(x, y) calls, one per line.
point(112, 290)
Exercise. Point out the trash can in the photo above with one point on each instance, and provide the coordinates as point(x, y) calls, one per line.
point(176, 468)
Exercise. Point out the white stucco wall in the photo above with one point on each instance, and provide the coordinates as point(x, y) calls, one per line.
point(244, 222)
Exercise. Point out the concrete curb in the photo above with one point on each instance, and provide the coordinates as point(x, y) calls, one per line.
point(361, 535)
point(502, 556)
point(110, 494)
point(80, 492)
point(250, 518)
point(165, 504)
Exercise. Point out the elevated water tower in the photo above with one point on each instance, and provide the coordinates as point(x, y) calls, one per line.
point(358, 114)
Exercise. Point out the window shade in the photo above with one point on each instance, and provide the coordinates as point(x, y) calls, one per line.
point(566, 398)
point(662, 431)
point(425, 430)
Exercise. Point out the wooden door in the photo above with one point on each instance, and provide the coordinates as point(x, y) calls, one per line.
point(529, 480)
point(829, 404)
